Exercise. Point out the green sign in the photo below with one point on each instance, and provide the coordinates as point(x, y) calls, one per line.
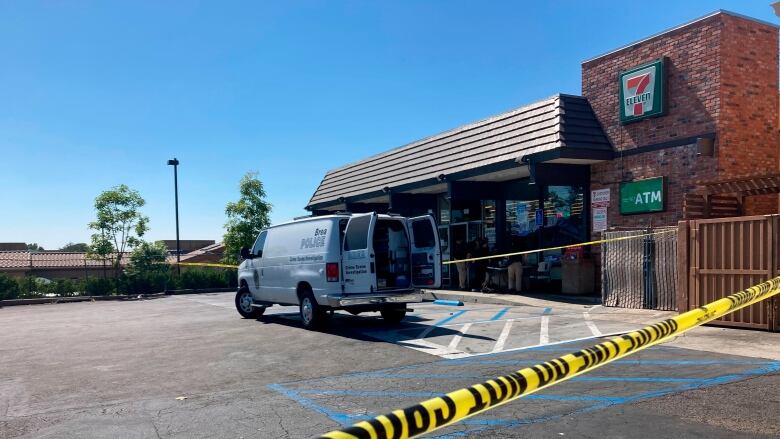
point(642, 196)
point(642, 92)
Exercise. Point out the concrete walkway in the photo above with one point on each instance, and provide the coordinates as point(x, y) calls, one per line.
point(532, 299)
point(732, 341)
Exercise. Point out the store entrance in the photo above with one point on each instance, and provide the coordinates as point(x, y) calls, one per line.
point(462, 236)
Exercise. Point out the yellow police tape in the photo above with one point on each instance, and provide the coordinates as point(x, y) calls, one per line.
point(539, 250)
point(455, 406)
point(504, 255)
point(204, 264)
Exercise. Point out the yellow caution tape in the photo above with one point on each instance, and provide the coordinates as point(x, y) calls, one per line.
point(526, 252)
point(455, 406)
point(204, 264)
point(539, 250)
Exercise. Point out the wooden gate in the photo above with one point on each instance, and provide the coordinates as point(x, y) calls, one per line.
point(726, 255)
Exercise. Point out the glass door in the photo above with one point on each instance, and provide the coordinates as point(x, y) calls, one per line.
point(444, 242)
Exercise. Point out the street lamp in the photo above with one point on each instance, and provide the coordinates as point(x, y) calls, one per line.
point(175, 164)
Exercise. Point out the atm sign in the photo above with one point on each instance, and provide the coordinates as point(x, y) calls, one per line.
point(642, 196)
point(642, 92)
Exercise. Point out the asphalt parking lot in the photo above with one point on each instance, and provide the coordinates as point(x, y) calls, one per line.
point(189, 366)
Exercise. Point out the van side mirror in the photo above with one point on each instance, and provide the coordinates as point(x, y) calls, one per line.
point(245, 253)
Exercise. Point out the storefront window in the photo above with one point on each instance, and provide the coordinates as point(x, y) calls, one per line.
point(521, 217)
point(489, 222)
point(564, 220)
point(444, 209)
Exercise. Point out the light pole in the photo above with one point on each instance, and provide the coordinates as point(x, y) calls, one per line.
point(175, 164)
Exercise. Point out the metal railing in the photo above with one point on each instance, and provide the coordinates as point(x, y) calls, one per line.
point(640, 273)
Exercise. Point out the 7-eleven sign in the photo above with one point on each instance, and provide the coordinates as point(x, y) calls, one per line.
point(642, 92)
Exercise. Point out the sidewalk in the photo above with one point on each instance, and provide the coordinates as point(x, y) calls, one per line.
point(526, 298)
point(731, 341)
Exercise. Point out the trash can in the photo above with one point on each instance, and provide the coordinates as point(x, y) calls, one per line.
point(578, 275)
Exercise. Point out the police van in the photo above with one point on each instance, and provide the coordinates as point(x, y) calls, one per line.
point(355, 262)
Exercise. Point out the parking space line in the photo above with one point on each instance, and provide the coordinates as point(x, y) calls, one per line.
point(589, 323)
point(441, 322)
point(455, 340)
point(500, 313)
point(499, 346)
point(544, 330)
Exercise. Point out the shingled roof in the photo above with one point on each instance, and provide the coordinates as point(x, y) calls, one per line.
point(561, 122)
point(14, 260)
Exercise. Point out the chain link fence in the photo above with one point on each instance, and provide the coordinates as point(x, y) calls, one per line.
point(640, 273)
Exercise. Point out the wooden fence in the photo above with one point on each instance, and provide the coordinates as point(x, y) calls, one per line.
point(725, 255)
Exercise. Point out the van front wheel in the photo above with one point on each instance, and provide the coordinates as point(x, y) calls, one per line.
point(244, 304)
point(393, 315)
point(312, 314)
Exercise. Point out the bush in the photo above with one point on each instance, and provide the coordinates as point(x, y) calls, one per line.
point(144, 283)
point(98, 286)
point(58, 287)
point(29, 287)
point(202, 278)
point(9, 289)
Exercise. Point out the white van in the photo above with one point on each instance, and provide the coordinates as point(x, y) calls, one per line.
point(356, 262)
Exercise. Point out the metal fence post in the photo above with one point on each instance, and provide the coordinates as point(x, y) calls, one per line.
point(648, 270)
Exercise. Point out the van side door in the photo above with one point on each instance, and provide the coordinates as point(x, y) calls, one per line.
point(426, 252)
point(359, 266)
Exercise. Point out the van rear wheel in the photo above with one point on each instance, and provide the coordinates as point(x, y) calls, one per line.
point(393, 315)
point(313, 315)
point(244, 304)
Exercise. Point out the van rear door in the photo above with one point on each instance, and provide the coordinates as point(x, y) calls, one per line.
point(426, 253)
point(358, 264)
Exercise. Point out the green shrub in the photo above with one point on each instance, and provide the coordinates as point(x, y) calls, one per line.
point(9, 289)
point(98, 286)
point(200, 278)
point(144, 283)
point(29, 288)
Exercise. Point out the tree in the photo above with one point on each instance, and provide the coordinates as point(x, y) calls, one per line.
point(34, 247)
point(148, 257)
point(9, 289)
point(75, 247)
point(245, 217)
point(119, 225)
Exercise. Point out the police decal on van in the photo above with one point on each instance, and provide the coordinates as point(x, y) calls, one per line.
point(315, 242)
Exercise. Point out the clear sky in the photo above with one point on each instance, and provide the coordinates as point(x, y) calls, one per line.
point(94, 94)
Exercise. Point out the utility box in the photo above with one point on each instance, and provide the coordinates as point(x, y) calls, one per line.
point(578, 276)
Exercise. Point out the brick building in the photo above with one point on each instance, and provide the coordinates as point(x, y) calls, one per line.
point(657, 118)
point(722, 83)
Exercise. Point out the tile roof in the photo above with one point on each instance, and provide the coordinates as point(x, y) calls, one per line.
point(210, 253)
point(15, 260)
point(561, 121)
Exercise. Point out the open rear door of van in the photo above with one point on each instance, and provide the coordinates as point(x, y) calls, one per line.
point(358, 255)
point(426, 253)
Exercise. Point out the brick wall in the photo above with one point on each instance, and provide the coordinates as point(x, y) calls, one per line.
point(748, 123)
point(707, 76)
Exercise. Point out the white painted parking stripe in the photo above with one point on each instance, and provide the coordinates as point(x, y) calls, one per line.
point(544, 331)
point(455, 340)
point(589, 323)
point(499, 346)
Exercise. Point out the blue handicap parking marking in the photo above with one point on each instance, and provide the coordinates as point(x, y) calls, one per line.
point(659, 371)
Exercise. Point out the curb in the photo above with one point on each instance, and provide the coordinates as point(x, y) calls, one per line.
point(200, 291)
point(432, 296)
point(45, 300)
point(494, 299)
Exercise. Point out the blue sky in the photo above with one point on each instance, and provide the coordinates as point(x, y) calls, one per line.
point(94, 94)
